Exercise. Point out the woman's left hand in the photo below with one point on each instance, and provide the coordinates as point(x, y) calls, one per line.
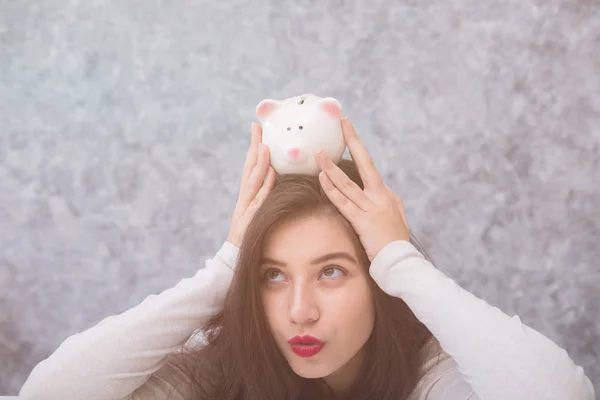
point(375, 213)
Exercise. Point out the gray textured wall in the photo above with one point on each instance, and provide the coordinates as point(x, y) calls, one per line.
point(123, 124)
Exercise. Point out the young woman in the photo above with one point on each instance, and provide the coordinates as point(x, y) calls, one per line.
point(318, 292)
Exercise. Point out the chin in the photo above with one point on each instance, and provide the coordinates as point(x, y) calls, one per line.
point(311, 369)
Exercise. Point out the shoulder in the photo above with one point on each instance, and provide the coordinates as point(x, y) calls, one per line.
point(440, 376)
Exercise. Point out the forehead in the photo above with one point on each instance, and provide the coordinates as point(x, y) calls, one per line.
point(306, 238)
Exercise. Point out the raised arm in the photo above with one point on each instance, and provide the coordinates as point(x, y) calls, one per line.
point(118, 355)
point(497, 355)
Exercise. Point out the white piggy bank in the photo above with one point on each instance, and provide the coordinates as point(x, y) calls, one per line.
point(295, 128)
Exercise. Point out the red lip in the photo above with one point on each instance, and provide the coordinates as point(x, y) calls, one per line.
point(306, 346)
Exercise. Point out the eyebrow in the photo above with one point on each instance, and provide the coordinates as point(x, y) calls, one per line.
point(327, 257)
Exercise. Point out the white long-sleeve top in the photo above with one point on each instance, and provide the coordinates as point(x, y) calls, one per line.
point(487, 355)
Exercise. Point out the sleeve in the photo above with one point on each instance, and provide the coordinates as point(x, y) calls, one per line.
point(123, 355)
point(497, 355)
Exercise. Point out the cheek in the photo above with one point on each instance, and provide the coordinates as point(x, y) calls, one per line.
point(352, 306)
point(273, 306)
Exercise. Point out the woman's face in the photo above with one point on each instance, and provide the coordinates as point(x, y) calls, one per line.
point(313, 285)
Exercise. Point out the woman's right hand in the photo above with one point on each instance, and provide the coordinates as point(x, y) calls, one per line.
point(258, 178)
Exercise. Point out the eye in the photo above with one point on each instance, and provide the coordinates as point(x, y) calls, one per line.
point(332, 272)
point(300, 127)
point(274, 275)
point(289, 128)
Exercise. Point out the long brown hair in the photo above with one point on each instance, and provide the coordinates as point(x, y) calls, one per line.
point(240, 359)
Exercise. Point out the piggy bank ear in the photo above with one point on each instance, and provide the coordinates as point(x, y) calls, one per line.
point(331, 106)
point(265, 108)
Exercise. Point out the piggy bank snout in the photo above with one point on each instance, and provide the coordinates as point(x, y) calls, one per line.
point(294, 153)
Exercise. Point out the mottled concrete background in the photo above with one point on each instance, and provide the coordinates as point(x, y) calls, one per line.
point(123, 125)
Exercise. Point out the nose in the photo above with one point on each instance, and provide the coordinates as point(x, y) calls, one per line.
point(294, 153)
point(303, 308)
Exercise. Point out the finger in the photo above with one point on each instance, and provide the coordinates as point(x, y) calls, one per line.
point(366, 167)
point(348, 209)
point(257, 176)
point(341, 181)
point(264, 190)
point(252, 154)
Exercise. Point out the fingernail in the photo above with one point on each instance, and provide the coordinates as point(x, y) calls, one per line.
point(324, 179)
point(254, 126)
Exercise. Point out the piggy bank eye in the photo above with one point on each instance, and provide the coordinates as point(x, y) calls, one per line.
point(300, 127)
point(289, 128)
